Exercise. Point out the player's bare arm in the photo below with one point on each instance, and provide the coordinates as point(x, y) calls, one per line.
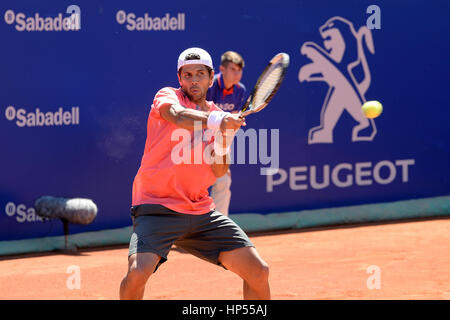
point(228, 127)
point(187, 118)
point(220, 165)
point(184, 117)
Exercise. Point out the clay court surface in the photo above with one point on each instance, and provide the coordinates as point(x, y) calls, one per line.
point(325, 263)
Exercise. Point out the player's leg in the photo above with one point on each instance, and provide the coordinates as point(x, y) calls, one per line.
point(155, 228)
point(140, 267)
point(219, 240)
point(254, 271)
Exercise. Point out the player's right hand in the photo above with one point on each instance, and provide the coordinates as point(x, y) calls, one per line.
point(231, 122)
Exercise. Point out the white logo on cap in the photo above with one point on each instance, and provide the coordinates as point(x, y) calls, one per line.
point(205, 58)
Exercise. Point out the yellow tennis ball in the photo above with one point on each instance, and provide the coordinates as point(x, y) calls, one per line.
point(372, 109)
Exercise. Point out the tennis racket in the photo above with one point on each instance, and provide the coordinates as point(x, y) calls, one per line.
point(267, 85)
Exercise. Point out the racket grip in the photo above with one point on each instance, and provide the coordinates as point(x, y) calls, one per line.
point(242, 114)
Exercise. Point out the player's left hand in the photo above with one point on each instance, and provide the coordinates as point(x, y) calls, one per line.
point(231, 122)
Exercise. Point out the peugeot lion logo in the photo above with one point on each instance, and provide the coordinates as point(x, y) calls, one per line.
point(334, 64)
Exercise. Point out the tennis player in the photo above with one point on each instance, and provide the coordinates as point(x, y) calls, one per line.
point(228, 93)
point(170, 201)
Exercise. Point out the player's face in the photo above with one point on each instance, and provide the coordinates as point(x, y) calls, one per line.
point(195, 80)
point(231, 73)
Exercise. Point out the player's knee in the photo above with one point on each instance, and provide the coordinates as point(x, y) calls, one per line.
point(264, 271)
point(137, 276)
point(260, 272)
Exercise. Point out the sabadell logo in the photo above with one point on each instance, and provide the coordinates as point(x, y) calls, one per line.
point(69, 21)
point(38, 118)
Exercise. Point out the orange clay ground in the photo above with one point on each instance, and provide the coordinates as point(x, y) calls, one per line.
point(328, 263)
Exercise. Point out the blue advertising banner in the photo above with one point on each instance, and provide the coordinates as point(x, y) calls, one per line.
point(77, 80)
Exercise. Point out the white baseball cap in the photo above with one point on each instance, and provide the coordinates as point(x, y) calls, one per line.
point(194, 56)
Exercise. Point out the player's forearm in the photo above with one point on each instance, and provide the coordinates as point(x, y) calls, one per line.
point(221, 154)
point(184, 117)
point(220, 165)
point(189, 118)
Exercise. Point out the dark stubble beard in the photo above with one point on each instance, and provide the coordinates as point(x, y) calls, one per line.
point(196, 101)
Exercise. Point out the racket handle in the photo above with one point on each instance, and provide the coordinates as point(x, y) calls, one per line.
point(243, 114)
point(246, 105)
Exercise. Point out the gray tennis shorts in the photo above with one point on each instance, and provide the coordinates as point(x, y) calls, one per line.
point(156, 228)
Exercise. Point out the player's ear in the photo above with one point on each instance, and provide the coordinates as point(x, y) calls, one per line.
point(221, 68)
point(211, 78)
point(179, 78)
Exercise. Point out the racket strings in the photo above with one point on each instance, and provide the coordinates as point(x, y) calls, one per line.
point(267, 85)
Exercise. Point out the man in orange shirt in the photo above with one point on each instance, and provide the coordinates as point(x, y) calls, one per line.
point(171, 204)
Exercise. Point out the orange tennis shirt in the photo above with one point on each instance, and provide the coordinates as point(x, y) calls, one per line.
point(181, 186)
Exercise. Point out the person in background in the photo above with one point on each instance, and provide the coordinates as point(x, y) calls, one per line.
point(229, 94)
